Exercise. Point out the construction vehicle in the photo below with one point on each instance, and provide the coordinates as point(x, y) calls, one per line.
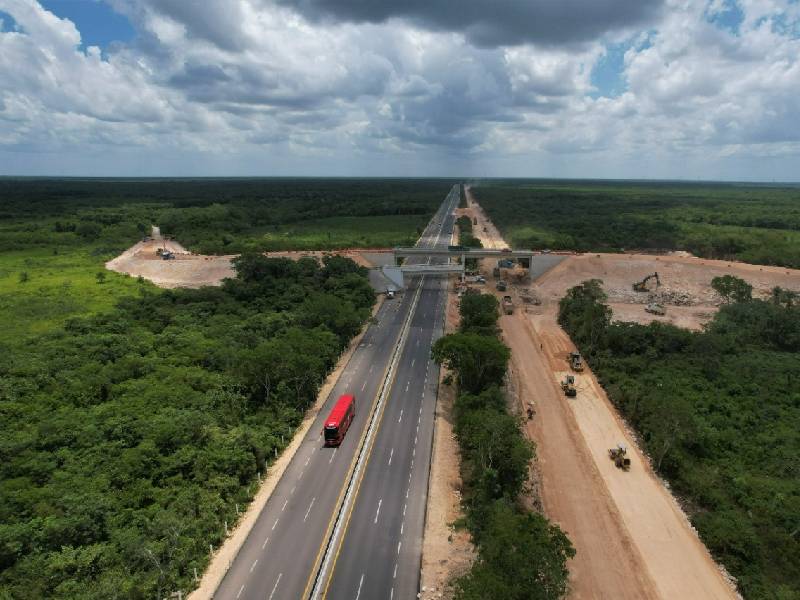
point(568, 386)
point(508, 305)
point(502, 286)
point(576, 361)
point(619, 456)
point(641, 286)
point(654, 308)
point(531, 411)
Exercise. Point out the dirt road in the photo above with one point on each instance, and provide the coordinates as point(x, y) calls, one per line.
point(631, 537)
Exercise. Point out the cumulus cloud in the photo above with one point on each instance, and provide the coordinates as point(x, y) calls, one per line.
point(406, 87)
point(497, 23)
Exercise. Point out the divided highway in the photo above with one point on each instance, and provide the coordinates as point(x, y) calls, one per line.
point(280, 558)
point(381, 551)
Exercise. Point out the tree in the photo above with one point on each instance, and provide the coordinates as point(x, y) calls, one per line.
point(732, 289)
point(521, 557)
point(479, 313)
point(24, 277)
point(479, 360)
point(89, 231)
point(100, 276)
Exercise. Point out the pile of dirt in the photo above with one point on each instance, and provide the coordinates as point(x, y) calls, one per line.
point(665, 296)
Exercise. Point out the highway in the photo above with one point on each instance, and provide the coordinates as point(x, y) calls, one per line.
point(281, 556)
point(381, 550)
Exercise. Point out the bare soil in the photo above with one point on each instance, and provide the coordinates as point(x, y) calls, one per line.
point(685, 289)
point(447, 552)
point(631, 536)
point(197, 270)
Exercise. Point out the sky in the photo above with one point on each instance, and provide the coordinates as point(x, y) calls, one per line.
point(631, 89)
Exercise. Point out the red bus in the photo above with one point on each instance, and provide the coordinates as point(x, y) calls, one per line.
point(339, 420)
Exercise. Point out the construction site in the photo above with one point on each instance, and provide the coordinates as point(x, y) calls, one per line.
point(632, 537)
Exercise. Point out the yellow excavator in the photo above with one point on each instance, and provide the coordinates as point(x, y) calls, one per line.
point(641, 286)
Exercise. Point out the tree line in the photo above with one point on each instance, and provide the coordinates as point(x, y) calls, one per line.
point(521, 555)
point(756, 224)
point(718, 412)
point(130, 439)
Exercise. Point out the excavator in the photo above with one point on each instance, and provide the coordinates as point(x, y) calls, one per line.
point(641, 286)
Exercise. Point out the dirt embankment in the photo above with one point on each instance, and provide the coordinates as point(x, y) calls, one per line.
point(631, 537)
point(190, 270)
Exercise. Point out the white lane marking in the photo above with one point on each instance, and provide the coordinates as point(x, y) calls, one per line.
point(309, 508)
point(408, 384)
point(266, 539)
point(360, 583)
point(307, 460)
point(377, 512)
point(412, 361)
point(407, 489)
point(405, 505)
point(253, 566)
point(332, 455)
point(293, 489)
point(391, 594)
point(415, 438)
point(394, 575)
point(364, 385)
point(391, 454)
point(241, 589)
point(275, 587)
point(414, 452)
point(401, 416)
point(283, 508)
point(402, 526)
point(398, 546)
point(275, 523)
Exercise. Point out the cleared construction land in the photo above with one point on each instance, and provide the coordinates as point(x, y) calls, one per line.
point(631, 536)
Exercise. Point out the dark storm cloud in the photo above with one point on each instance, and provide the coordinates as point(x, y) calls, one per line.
point(492, 23)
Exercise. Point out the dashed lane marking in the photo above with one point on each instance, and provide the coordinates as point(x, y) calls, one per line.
point(360, 583)
point(309, 509)
point(275, 587)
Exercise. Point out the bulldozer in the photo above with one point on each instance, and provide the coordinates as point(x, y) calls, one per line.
point(619, 456)
point(568, 386)
point(641, 286)
point(654, 308)
point(576, 361)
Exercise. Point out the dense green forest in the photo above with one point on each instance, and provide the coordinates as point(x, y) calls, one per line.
point(719, 414)
point(521, 555)
point(130, 437)
point(220, 216)
point(752, 223)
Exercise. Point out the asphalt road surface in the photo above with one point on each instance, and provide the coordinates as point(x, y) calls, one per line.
point(381, 550)
point(280, 556)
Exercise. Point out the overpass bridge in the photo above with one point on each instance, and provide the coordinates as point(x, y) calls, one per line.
point(396, 274)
